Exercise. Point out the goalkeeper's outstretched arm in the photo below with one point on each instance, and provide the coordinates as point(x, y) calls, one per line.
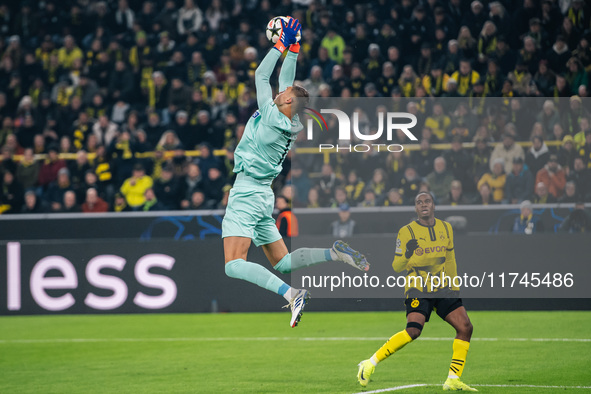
point(263, 72)
point(288, 70)
point(262, 76)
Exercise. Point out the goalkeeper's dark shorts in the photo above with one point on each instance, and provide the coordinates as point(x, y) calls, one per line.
point(424, 306)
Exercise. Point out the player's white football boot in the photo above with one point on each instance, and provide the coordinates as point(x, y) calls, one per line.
point(350, 256)
point(297, 304)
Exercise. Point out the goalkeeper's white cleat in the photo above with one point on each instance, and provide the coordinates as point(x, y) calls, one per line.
point(350, 256)
point(297, 304)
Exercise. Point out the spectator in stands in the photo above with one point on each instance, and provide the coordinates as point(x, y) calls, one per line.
point(287, 222)
point(558, 55)
point(49, 169)
point(27, 171)
point(120, 204)
point(578, 221)
point(11, 194)
point(545, 78)
point(538, 155)
point(153, 129)
point(379, 183)
point(520, 183)
point(151, 202)
point(167, 189)
point(582, 178)
point(69, 53)
point(326, 184)
point(527, 223)
point(313, 82)
point(440, 179)
point(354, 187)
point(121, 82)
point(570, 193)
point(192, 182)
point(529, 54)
point(585, 149)
point(455, 196)
point(576, 75)
point(93, 203)
point(459, 161)
point(197, 201)
point(520, 78)
point(301, 183)
point(334, 45)
point(508, 150)
point(33, 204)
point(439, 122)
point(408, 81)
point(410, 184)
point(105, 130)
point(213, 185)
point(484, 195)
point(422, 160)
point(340, 197)
point(548, 117)
point(134, 188)
point(393, 198)
point(187, 134)
point(78, 168)
point(541, 195)
point(345, 226)
point(313, 200)
point(553, 176)
point(465, 77)
point(56, 190)
point(369, 199)
point(567, 153)
point(573, 117)
point(496, 180)
point(69, 203)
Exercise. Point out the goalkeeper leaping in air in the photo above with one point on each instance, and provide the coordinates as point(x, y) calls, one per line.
point(258, 158)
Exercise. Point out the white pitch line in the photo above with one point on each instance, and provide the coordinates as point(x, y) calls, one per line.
point(409, 386)
point(252, 339)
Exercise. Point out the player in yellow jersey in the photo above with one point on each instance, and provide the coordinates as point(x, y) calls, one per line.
point(425, 249)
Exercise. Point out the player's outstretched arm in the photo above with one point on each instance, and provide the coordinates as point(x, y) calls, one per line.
point(262, 76)
point(265, 69)
point(288, 70)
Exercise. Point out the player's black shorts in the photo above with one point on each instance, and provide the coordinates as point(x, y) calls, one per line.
point(443, 306)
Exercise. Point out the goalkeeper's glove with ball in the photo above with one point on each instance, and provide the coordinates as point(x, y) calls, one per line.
point(289, 32)
point(410, 247)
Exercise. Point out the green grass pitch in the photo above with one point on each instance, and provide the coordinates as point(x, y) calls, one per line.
point(259, 353)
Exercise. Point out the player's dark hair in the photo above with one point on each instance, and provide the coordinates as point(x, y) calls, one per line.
point(427, 193)
point(303, 98)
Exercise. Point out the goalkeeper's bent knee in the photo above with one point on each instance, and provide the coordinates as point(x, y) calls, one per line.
point(284, 265)
point(232, 268)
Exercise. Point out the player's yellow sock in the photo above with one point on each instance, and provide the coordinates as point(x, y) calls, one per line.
point(395, 343)
point(458, 359)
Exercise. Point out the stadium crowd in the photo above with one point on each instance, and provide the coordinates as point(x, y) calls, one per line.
point(127, 87)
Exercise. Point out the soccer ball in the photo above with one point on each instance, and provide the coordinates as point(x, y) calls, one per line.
point(274, 29)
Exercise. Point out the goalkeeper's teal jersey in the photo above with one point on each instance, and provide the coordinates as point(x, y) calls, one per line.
point(269, 134)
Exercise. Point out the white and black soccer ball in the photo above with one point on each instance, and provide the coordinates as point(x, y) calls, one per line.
point(274, 29)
